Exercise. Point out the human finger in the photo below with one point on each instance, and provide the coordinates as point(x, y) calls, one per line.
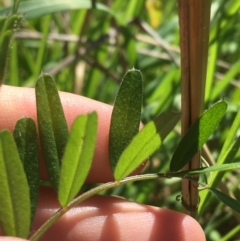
point(11, 239)
point(112, 218)
point(19, 102)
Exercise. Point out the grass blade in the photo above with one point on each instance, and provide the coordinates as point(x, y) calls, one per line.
point(53, 130)
point(126, 115)
point(140, 148)
point(197, 135)
point(232, 203)
point(77, 158)
point(42, 48)
point(26, 138)
point(14, 191)
point(219, 89)
point(226, 155)
point(203, 170)
point(7, 27)
point(34, 9)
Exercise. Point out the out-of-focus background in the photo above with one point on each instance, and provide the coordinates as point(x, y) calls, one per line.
point(88, 46)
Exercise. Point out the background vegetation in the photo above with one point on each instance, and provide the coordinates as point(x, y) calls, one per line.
point(88, 50)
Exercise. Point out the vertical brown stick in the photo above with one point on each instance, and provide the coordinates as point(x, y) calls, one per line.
point(194, 20)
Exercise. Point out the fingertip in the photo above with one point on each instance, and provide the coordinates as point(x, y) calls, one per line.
point(112, 218)
point(19, 102)
point(196, 232)
point(11, 239)
point(180, 226)
point(75, 105)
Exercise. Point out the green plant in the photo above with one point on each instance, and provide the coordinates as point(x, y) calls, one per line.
point(150, 137)
point(71, 168)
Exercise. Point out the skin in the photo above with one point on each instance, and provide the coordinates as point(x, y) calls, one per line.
point(99, 217)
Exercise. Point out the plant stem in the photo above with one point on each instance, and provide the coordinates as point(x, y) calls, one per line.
point(189, 175)
point(194, 19)
point(86, 195)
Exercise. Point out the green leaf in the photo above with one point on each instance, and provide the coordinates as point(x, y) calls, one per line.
point(226, 155)
point(220, 88)
point(229, 150)
point(165, 122)
point(14, 191)
point(35, 9)
point(232, 203)
point(126, 115)
point(203, 170)
point(140, 148)
point(53, 130)
point(26, 138)
point(197, 135)
point(77, 158)
point(15, 6)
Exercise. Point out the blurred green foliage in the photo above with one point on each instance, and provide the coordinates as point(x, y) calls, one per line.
point(88, 50)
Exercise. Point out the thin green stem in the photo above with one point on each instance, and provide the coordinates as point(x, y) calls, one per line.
point(189, 174)
point(85, 196)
